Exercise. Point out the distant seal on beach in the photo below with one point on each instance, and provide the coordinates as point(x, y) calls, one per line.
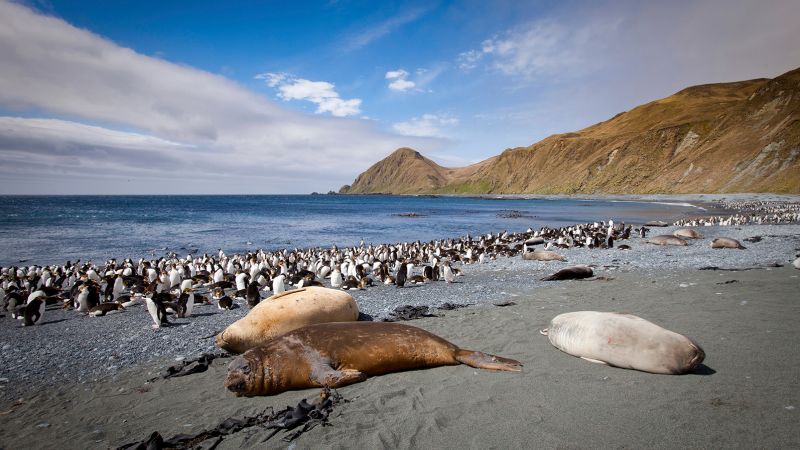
point(656, 223)
point(571, 273)
point(285, 312)
point(725, 242)
point(333, 355)
point(625, 341)
point(666, 239)
point(687, 233)
point(542, 255)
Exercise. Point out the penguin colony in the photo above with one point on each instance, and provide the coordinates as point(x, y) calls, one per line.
point(171, 286)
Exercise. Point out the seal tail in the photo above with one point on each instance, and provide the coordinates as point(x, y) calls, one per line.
point(482, 360)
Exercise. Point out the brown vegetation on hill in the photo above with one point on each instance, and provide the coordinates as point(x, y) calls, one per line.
point(727, 137)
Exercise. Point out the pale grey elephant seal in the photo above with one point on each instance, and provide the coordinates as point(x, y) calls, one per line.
point(542, 255)
point(285, 312)
point(336, 354)
point(687, 233)
point(666, 239)
point(571, 273)
point(624, 340)
point(725, 242)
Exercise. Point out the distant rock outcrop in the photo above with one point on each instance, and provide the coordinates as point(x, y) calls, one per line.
point(728, 137)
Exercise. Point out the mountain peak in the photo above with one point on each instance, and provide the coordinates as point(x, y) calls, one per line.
point(739, 136)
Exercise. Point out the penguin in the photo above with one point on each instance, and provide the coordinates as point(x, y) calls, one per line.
point(186, 300)
point(351, 283)
point(33, 312)
point(448, 274)
point(400, 278)
point(253, 296)
point(93, 297)
point(81, 301)
point(277, 284)
point(225, 303)
point(336, 278)
point(157, 310)
point(427, 273)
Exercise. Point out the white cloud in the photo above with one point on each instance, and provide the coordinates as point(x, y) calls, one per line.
point(184, 121)
point(321, 93)
point(272, 79)
point(401, 85)
point(384, 28)
point(428, 125)
point(400, 82)
point(540, 47)
point(392, 74)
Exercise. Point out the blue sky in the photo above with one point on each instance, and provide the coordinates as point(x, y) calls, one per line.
point(291, 97)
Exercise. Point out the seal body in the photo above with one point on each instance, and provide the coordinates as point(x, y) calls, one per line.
point(337, 354)
point(542, 255)
point(285, 312)
point(666, 239)
point(624, 340)
point(571, 273)
point(687, 233)
point(725, 242)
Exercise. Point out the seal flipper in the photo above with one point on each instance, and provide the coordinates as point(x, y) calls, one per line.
point(331, 378)
point(596, 361)
point(482, 360)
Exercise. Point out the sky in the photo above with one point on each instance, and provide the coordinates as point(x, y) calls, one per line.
point(270, 97)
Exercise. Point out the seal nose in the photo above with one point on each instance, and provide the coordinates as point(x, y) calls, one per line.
point(238, 376)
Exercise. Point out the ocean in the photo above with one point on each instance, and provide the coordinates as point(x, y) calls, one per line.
point(54, 229)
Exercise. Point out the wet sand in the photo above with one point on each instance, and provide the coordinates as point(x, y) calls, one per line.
point(746, 395)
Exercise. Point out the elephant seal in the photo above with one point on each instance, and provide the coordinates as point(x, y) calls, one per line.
point(571, 273)
point(542, 255)
point(666, 239)
point(285, 312)
point(625, 341)
point(333, 355)
point(656, 223)
point(687, 233)
point(725, 242)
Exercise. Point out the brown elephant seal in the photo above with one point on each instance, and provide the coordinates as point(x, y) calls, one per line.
point(666, 239)
point(571, 273)
point(285, 312)
point(542, 255)
point(725, 242)
point(624, 340)
point(687, 233)
point(333, 355)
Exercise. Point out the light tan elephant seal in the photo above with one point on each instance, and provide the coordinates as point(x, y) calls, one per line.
point(687, 233)
point(542, 255)
point(624, 340)
point(333, 355)
point(666, 239)
point(285, 312)
point(725, 242)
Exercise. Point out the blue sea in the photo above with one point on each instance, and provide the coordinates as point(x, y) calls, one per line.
point(54, 229)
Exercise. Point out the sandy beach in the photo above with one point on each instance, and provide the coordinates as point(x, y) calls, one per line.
point(745, 395)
